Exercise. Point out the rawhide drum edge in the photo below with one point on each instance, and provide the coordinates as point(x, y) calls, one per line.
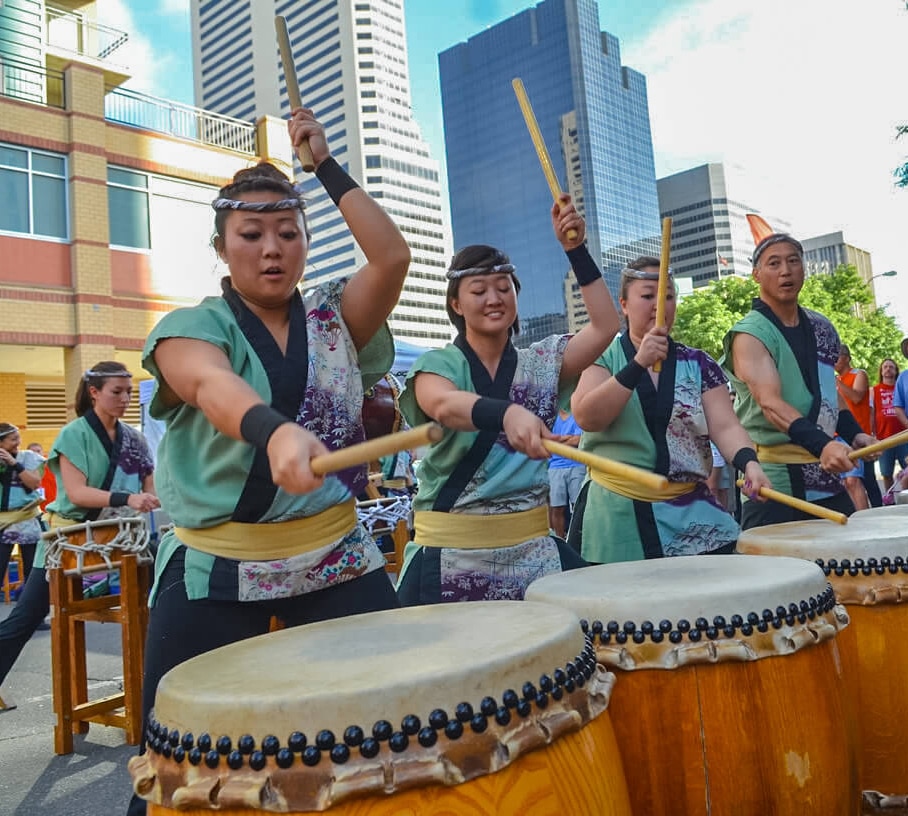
point(475, 708)
point(729, 696)
point(866, 561)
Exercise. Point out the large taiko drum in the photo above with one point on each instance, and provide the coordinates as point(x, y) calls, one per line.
point(866, 562)
point(481, 708)
point(97, 546)
point(729, 696)
point(889, 511)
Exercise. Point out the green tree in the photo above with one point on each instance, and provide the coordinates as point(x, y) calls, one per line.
point(844, 297)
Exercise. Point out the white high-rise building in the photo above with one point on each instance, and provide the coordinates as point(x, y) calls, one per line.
point(351, 62)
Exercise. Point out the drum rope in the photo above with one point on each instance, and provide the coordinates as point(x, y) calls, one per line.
point(384, 512)
point(132, 537)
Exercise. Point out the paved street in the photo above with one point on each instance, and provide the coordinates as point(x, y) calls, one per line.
point(89, 782)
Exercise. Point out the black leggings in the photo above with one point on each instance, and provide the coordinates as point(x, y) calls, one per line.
point(179, 628)
point(31, 609)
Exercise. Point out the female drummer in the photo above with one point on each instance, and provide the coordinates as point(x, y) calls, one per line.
point(252, 385)
point(661, 422)
point(481, 515)
point(20, 477)
point(103, 469)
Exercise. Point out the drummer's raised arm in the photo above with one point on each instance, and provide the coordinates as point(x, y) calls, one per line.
point(584, 347)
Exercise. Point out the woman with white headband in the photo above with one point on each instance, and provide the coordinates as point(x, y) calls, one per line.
point(20, 477)
point(251, 386)
point(661, 422)
point(481, 514)
point(103, 468)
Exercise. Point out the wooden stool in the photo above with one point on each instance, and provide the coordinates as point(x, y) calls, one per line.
point(69, 613)
point(9, 587)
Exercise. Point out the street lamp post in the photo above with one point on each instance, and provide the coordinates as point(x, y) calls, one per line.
point(890, 274)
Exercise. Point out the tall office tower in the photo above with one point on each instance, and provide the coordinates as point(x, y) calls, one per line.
point(710, 235)
point(594, 118)
point(351, 60)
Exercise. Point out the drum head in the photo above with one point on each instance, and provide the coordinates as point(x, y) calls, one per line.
point(671, 612)
point(372, 703)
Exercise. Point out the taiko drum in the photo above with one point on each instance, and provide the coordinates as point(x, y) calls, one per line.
point(866, 561)
point(729, 696)
point(480, 708)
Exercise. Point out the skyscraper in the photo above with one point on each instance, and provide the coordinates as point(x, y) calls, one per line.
point(351, 60)
point(594, 118)
point(710, 235)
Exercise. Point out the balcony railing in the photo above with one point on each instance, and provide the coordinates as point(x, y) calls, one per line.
point(175, 119)
point(73, 32)
point(31, 83)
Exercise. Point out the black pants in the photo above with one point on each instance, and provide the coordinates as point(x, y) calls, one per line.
point(31, 609)
point(759, 514)
point(6, 553)
point(179, 628)
point(871, 485)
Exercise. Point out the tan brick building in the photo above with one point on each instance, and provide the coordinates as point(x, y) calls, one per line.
point(105, 222)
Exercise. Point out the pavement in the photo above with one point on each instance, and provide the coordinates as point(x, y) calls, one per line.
point(93, 780)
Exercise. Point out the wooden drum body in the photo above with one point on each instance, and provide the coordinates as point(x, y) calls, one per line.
point(729, 696)
point(97, 546)
point(866, 562)
point(482, 708)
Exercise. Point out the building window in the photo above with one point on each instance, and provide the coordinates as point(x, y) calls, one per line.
point(127, 203)
point(33, 192)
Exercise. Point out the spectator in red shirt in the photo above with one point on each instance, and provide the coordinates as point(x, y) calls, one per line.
point(885, 422)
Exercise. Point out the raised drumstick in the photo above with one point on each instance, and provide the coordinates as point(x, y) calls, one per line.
point(662, 290)
point(800, 504)
point(373, 449)
point(533, 126)
point(293, 85)
point(655, 481)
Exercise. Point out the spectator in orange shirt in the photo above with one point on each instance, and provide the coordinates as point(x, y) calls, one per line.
point(48, 486)
point(854, 387)
point(885, 420)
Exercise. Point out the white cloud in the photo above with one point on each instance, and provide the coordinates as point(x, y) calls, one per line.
point(806, 96)
point(179, 8)
point(147, 63)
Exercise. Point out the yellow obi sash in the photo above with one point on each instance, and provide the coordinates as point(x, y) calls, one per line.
point(785, 454)
point(638, 492)
point(56, 520)
point(267, 541)
point(29, 511)
point(470, 531)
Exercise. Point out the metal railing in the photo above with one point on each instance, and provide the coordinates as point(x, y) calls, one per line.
point(73, 32)
point(176, 119)
point(31, 83)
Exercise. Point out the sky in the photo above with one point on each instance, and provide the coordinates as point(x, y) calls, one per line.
point(804, 95)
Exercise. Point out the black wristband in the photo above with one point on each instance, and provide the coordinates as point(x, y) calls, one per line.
point(259, 422)
point(847, 426)
point(334, 179)
point(630, 375)
point(805, 433)
point(585, 269)
point(18, 467)
point(118, 500)
point(742, 457)
point(488, 414)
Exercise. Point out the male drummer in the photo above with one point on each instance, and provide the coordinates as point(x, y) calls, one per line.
point(780, 358)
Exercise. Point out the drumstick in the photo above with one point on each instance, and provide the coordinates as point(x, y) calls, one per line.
point(800, 504)
point(373, 449)
point(655, 481)
point(293, 85)
point(533, 126)
point(876, 447)
point(662, 290)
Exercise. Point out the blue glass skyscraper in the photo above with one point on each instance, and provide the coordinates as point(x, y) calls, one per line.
point(594, 118)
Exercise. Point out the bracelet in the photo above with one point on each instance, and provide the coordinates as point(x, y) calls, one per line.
point(847, 426)
point(118, 500)
point(259, 423)
point(334, 179)
point(630, 375)
point(743, 457)
point(488, 414)
point(805, 433)
point(585, 269)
